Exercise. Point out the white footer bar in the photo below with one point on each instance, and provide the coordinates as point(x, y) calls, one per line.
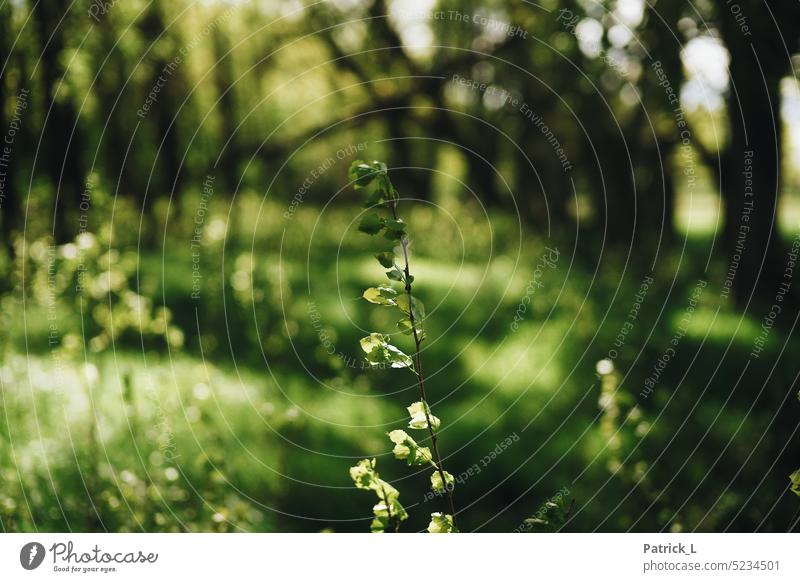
point(401, 558)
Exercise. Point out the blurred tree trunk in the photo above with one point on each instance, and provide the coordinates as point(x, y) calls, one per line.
point(543, 192)
point(112, 102)
point(226, 109)
point(751, 190)
point(758, 63)
point(165, 112)
point(9, 207)
point(415, 179)
point(607, 163)
point(21, 165)
point(661, 21)
point(61, 136)
point(481, 163)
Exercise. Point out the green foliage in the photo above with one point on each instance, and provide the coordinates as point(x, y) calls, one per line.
point(371, 223)
point(551, 516)
point(406, 448)
point(386, 259)
point(388, 511)
point(381, 296)
point(440, 486)
point(407, 327)
point(395, 229)
point(362, 174)
point(395, 274)
point(421, 417)
point(379, 352)
point(403, 302)
point(91, 278)
point(795, 479)
point(441, 524)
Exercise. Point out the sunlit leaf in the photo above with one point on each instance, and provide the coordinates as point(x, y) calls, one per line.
point(436, 481)
point(441, 523)
point(379, 524)
point(416, 304)
point(407, 328)
point(380, 295)
point(398, 436)
point(380, 352)
point(419, 419)
point(363, 474)
point(406, 448)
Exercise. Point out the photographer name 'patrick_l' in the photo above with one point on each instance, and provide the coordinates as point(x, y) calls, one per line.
point(679, 548)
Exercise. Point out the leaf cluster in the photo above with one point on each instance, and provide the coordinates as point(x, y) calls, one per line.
point(381, 219)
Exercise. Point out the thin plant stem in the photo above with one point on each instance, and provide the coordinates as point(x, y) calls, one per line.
point(389, 510)
point(418, 371)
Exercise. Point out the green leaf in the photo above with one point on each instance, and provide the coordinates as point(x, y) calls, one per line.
point(379, 524)
point(388, 504)
point(795, 479)
point(419, 418)
point(371, 223)
point(374, 199)
point(402, 452)
point(362, 173)
point(395, 229)
point(436, 482)
point(441, 524)
point(398, 510)
point(401, 449)
point(380, 352)
point(406, 327)
point(398, 436)
point(386, 493)
point(380, 295)
point(380, 168)
point(402, 302)
point(395, 274)
point(372, 342)
point(424, 456)
point(406, 448)
point(416, 304)
point(363, 474)
point(385, 187)
point(397, 358)
point(419, 310)
point(386, 260)
point(398, 225)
